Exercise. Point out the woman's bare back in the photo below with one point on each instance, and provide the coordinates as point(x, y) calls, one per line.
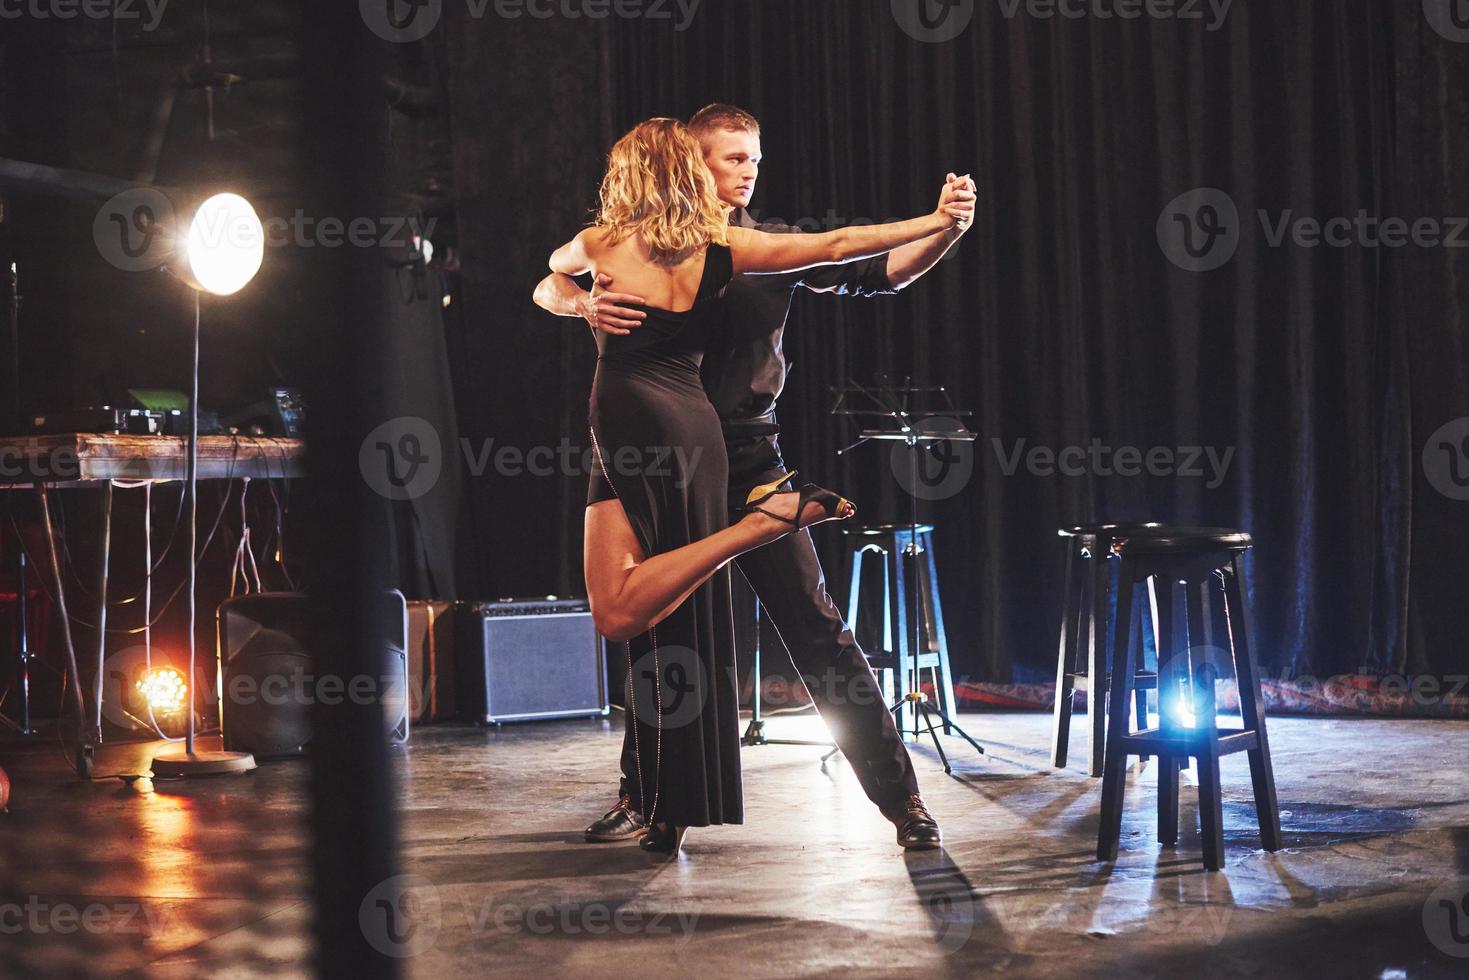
point(630, 264)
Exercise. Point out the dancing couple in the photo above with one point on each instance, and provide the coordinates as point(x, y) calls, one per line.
point(690, 362)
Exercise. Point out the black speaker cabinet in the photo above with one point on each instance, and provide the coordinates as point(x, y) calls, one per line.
point(271, 681)
point(530, 659)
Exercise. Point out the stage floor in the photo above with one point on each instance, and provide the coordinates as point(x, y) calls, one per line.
point(209, 877)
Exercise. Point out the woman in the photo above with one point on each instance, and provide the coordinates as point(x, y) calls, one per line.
point(657, 528)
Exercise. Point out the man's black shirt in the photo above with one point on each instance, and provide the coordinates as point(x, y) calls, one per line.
point(745, 367)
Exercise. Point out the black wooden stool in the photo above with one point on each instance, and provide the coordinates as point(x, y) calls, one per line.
point(1084, 652)
point(894, 661)
point(1199, 559)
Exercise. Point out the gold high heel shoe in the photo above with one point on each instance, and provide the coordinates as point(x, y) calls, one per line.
point(835, 505)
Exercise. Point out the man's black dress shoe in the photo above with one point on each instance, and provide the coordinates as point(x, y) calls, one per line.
point(917, 829)
point(621, 822)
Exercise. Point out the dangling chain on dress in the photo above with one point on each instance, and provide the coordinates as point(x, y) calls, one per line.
point(631, 685)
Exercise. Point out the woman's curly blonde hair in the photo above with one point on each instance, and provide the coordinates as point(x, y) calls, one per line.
point(656, 183)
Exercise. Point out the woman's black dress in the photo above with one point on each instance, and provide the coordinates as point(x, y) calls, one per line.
point(660, 450)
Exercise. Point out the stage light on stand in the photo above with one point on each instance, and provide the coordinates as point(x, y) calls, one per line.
point(220, 254)
point(164, 688)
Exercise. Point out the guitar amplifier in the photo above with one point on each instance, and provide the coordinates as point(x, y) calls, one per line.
point(530, 659)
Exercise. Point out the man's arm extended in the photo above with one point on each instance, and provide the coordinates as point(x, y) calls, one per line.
point(909, 262)
point(603, 310)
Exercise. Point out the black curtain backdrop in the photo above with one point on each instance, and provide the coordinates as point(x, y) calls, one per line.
point(1320, 371)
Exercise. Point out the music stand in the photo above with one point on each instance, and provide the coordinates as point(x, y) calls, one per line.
point(917, 417)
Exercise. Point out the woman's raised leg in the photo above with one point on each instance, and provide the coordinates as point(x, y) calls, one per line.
point(631, 593)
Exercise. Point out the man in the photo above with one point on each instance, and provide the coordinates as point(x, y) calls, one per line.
point(743, 373)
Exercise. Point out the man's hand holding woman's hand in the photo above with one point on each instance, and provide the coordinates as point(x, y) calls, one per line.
point(957, 200)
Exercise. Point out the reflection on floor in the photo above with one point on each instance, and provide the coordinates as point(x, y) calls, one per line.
point(209, 877)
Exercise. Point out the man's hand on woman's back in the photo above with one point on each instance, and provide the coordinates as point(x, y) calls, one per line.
point(609, 311)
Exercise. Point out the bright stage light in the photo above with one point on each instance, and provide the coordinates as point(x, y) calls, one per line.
point(226, 244)
point(1176, 712)
point(164, 689)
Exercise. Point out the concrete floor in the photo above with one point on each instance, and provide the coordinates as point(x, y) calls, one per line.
point(207, 878)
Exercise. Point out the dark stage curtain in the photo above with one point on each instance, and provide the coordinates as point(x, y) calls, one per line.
point(417, 405)
point(1318, 373)
point(530, 129)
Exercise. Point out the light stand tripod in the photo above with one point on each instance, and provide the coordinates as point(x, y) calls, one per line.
point(897, 416)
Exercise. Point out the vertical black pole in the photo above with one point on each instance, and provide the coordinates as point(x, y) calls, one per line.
point(43, 496)
point(756, 724)
point(12, 282)
point(191, 477)
point(912, 550)
point(102, 574)
point(25, 645)
point(354, 818)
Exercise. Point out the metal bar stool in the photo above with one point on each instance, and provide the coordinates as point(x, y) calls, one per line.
point(893, 659)
point(1200, 559)
point(1083, 650)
